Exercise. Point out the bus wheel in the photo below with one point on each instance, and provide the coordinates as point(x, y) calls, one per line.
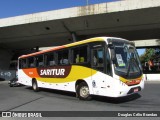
point(35, 86)
point(83, 91)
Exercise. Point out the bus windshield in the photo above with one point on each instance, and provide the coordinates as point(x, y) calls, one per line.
point(127, 62)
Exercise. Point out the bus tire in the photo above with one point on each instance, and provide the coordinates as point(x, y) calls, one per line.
point(35, 86)
point(83, 91)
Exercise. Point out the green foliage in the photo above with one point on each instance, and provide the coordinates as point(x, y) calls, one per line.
point(148, 55)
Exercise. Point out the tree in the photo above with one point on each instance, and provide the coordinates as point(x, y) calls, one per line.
point(148, 55)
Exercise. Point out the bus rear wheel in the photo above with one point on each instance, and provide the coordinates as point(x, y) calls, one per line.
point(35, 86)
point(83, 91)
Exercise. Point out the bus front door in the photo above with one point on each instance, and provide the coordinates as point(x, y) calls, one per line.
point(97, 63)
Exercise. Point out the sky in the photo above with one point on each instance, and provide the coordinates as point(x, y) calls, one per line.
point(141, 51)
point(10, 8)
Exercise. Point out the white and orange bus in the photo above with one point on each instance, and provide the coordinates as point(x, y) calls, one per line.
point(104, 66)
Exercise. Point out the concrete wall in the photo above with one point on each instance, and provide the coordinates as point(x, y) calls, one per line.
point(5, 58)
point(7, 74)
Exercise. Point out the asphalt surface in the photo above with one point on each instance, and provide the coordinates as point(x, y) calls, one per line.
point(25, 99)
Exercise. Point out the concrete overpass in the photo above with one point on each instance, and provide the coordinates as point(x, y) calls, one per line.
point(147, 43)
point(130, 19)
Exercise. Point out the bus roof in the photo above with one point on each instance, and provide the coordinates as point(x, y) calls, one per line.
point(65, 46)
point(95, 39)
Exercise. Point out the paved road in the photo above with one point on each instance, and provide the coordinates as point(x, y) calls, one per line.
point(24, 99)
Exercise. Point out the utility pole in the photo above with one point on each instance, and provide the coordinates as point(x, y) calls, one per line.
point(87, 2)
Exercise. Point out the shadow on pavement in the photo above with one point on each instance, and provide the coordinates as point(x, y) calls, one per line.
point(59, 92)
point(117, 100)
point(96, 98)
point(1, 79)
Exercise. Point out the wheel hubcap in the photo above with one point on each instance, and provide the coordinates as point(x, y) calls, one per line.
point(34, 86)
point(84, 92)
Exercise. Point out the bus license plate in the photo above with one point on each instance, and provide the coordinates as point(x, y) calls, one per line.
point(136, 90)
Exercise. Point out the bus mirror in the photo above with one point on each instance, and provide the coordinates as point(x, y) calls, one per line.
point(110, 45)
point(132, 43)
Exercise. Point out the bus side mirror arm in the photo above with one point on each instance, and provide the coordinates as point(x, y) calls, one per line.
point(113, 55)
point(112, 48)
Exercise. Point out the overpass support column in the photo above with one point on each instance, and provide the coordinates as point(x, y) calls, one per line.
point(5, 57)
point(74, 36)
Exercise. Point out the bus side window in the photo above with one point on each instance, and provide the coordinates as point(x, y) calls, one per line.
point(20, 64)
point(39, 61)
point(79, 54)
point(98, 59)
point(50, 59)
point(63, 57)
point(31, 62)
point(24, 63)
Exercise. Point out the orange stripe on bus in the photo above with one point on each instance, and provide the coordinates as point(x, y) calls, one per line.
point(44, 51)
point(32, 72)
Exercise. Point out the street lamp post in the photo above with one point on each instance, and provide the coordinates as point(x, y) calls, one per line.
point(87, 2)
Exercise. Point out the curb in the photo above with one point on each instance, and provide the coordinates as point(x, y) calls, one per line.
point(6, 81)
